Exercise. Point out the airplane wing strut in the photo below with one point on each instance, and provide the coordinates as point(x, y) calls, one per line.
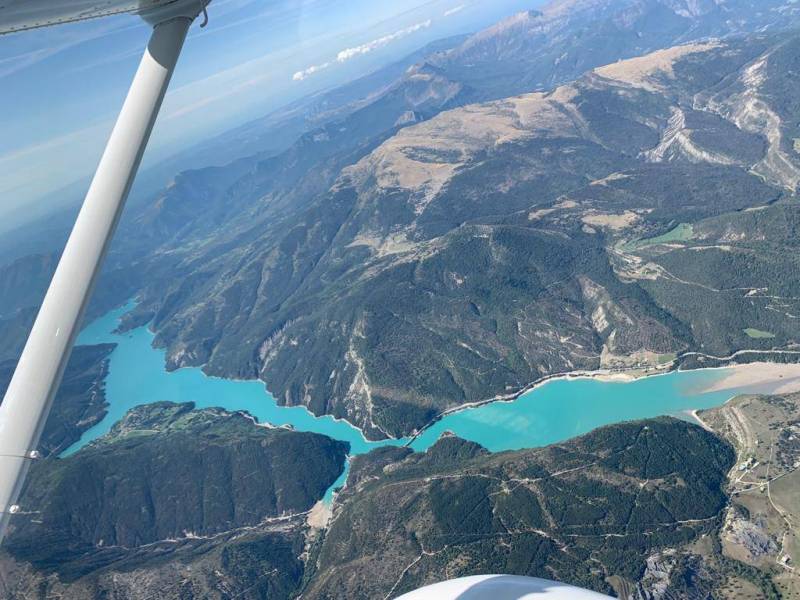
point(30, 394)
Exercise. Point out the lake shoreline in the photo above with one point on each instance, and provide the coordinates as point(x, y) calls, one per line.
point(597, 375)
point(548, 417)
point(734, 376)
point(761, 374)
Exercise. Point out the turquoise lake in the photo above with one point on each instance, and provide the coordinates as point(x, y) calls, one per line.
point(555, 411)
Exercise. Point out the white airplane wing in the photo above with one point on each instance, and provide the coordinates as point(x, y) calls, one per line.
point(501, 587)
point(19, 15)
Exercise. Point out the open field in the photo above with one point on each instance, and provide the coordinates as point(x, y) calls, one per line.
point(681, 233)
point(757, 334)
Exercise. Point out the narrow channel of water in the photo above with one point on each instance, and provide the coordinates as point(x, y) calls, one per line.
point(555, 411)
point(137, 376)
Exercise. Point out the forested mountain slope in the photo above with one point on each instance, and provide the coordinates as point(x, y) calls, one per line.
point(289, 155)
point(596, 511)
point(493, 244)
point(181, 503)
point(172, 503)
point(80, 402)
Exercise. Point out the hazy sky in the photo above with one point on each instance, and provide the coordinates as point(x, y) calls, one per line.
point(61, 87)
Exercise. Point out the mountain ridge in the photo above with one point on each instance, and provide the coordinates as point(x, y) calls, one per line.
point(550, 182)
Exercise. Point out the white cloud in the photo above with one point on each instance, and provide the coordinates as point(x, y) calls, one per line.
point(348, 53)
point(300, 75)
point(454, 10)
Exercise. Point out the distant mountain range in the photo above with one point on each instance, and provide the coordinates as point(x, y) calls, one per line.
point(531, 51)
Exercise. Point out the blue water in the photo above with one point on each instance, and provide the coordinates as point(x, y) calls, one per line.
point(563, 408)
point(553, 412)
point(327, 499)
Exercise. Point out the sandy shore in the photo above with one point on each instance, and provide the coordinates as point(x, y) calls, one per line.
point(696, 416)
point(612, 377)
point(759, 378)
point(319, 516)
